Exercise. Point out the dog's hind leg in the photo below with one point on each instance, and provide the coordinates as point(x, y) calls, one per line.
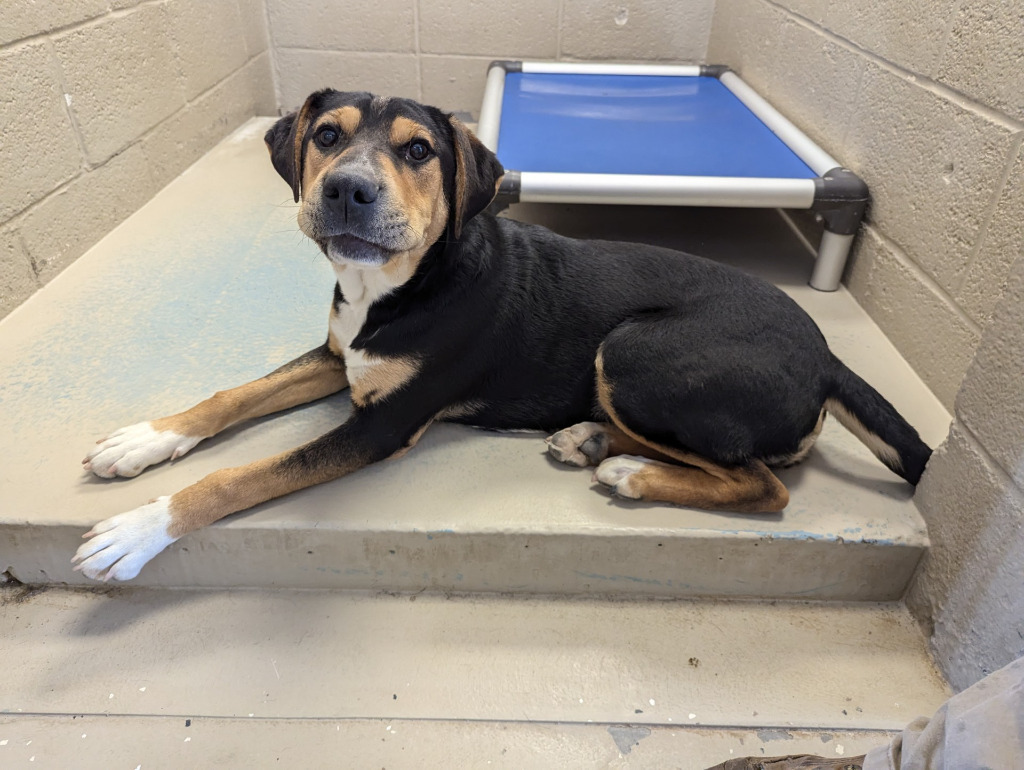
point(750, 488)
point(641, 406)
point(128, 451)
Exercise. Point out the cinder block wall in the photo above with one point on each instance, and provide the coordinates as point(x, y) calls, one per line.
point(924, 100)
point(970, 586)
point(438, 50)
point(102, 103)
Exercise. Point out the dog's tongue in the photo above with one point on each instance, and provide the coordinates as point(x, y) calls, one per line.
point(348, 248)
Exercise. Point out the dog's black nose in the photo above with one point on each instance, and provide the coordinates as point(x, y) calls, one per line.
point(348, 188)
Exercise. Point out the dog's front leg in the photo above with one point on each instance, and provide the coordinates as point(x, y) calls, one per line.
point(120, 546)
point(128, 451)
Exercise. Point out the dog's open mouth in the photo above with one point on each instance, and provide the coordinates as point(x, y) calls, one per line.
point(349, 248)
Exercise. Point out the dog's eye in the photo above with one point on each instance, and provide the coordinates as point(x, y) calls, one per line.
point(326, 137)
point(418, 150)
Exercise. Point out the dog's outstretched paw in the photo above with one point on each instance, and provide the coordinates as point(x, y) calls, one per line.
point(119, 547)
point(618, 473)
point(128, 451)
point(583, 444)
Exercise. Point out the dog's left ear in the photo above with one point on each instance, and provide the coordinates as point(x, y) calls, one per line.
point(285, 140)
point(477, 173)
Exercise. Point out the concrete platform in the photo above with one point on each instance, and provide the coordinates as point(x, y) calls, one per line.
point(168, 679)
point(211, 284)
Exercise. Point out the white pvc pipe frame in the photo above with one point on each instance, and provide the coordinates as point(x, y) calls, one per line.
point(642, 189)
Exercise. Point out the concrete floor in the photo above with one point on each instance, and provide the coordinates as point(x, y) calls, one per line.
point(211, 285)
point(108, 679)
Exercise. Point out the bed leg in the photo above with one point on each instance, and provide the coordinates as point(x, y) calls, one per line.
point(840, 200)
point(832, 254)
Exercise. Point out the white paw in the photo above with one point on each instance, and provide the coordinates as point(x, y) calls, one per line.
point(120, 546)
point(583, 444)
point(616, 472)
point(128, 451)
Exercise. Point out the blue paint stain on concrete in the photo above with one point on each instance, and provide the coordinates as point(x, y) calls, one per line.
point(628, 737)
point(774, 735)
point(231, 287)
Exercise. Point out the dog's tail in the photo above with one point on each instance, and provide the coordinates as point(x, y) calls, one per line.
point(866, 414)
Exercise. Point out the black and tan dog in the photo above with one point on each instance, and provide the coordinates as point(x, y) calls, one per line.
point(682, 380)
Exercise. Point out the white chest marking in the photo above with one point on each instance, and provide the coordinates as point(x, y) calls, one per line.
point(361, 288)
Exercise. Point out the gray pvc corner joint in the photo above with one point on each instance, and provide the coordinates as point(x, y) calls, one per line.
point(841, 199)
point(506, 64)
point(713, 70)
point(508, 193)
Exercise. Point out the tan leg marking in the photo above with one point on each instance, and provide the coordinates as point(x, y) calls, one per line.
point(307, 378)
point(751, 488)
point(231, 490)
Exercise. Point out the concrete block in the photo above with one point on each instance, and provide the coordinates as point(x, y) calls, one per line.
point(928, 331)
point(254, 26)
point(183, 138)
point(17, 279)
point(814, 82)
point(811, 80)
point(968, 585)
point(20, 19)
point(63, 227)
point(1002, 244)
point(640, 30)
point(260, 75)
point(745, 35)
point(302, 72)
point(121, 75)
point(909, 33)
point(984, 57)
point(384, 25)
point(528, 28)
point(933, 168)
point(454, 83)
point(32, 107)
point(991, 402)
point(209, 43)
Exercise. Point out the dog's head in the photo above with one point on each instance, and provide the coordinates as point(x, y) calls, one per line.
point(380, 178)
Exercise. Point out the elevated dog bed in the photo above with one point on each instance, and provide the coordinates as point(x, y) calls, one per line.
point(662, 135)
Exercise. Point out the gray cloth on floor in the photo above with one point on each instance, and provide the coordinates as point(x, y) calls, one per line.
point(981, 728)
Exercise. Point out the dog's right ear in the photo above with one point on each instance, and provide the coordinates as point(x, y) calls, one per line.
point(279, 141)
point(286, 142)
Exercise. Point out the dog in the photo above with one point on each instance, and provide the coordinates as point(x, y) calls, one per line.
point(682, 380)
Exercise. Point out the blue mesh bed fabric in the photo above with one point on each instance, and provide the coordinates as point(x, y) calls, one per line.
point(637, 124)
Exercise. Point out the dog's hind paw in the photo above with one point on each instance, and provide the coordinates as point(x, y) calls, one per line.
point(616, 472)
point(583, 444)
point(130, 450)
point(119, 547)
